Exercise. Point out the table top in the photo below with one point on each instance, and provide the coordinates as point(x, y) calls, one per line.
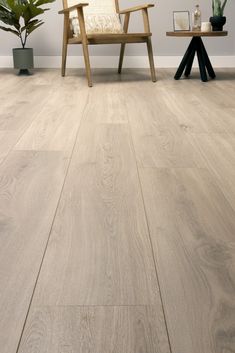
point(197, 34)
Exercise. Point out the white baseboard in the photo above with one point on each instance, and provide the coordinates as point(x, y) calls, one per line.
point(112, 61)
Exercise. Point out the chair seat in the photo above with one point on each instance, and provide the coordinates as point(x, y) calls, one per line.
point(112, 38)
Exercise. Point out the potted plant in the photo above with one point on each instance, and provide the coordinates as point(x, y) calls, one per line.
point(19, 18)
point(218, 19)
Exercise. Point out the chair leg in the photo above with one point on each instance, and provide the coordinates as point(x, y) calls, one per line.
point(64, 57)
point(65, 43)
point(123, 45)
point(87, 63)
point(122, 51)
point(151, 60)
point(84, 45)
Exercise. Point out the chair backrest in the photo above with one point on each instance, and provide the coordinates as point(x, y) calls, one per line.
point(101, 16)
point(95, 6)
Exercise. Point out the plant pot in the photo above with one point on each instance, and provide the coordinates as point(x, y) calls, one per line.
point(23, 59)
point(217, 23)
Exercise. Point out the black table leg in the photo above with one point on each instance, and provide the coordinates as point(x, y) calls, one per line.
point(207, 61)
point(196, 46)
point(201, 61)
point(185, 59)
point(190, 63)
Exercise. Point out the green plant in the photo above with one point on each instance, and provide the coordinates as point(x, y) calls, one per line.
point(218, 7)
point(19, 16)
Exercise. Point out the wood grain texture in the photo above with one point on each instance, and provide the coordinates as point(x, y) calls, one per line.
point(56, 126)
point(136, 8)
point(97, 290)
point(9, 84)
point(94, 330)
point(19, 111)
point(100, 234)
point(193, 108)
point(111, 105)
point(158, 140)
point(8, 140)
point(196, 108)
point(192, 229)
point(218, 151)
point(113, 38)
point(30, 185)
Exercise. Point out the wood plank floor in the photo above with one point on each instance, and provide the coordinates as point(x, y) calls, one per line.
point(117, 213)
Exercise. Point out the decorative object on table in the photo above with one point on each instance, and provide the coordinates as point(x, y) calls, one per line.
point(20, 18)
point(218, 19)
point(196, 19)
point(206, 27)
point(181, 20)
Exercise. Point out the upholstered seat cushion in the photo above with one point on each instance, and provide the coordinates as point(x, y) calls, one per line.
point(98, 23)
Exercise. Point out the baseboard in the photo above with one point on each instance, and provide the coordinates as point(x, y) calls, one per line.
point(112, 61)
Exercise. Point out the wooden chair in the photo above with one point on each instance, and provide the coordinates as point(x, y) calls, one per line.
point(81, 12)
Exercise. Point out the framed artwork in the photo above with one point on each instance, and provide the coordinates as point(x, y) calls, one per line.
point(181, 20)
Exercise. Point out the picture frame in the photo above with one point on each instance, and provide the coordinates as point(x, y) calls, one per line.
point(181, 21)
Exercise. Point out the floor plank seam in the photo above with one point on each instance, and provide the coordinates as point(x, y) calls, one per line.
point(149, 235)
point(21, 135)
point(50, 231)
point(93, 305)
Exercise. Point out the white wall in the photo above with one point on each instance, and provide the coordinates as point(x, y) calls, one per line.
point(46, 41)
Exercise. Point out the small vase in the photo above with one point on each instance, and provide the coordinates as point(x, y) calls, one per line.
point(217, 23)
point(23, 59)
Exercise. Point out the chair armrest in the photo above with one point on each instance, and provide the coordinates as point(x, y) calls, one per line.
point(72, 8)
point(136, 8)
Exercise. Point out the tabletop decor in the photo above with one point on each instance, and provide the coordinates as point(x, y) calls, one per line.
point(218, 19)
point(181, 20)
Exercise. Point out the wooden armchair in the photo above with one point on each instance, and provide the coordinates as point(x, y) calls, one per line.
point(99, 23)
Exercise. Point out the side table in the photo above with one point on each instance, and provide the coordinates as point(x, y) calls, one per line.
point(196, 46)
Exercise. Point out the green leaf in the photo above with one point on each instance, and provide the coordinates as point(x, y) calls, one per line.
point(10, 30)
point(218, 7)
point(43, 2)
point(31, 11)
point(16, 8)
point(30, 23)
point(9, 18)
point(12, 12)
point(30, 30)
point(223, 6)
point(4, 3)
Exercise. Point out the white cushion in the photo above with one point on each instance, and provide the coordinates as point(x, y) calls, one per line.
point(100, 17)
point(98, 23)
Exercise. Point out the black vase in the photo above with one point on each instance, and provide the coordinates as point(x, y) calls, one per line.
point(217, 23)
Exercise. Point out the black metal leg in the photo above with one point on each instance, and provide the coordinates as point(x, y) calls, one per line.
point(207, 61)
point(185, 59)
point(201, 61)
point(196, 46)
point(190, 63)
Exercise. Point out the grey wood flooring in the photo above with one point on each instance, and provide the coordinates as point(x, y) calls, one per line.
point(117, 213)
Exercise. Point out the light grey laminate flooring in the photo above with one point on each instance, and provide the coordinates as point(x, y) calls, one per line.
point(117, 213)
